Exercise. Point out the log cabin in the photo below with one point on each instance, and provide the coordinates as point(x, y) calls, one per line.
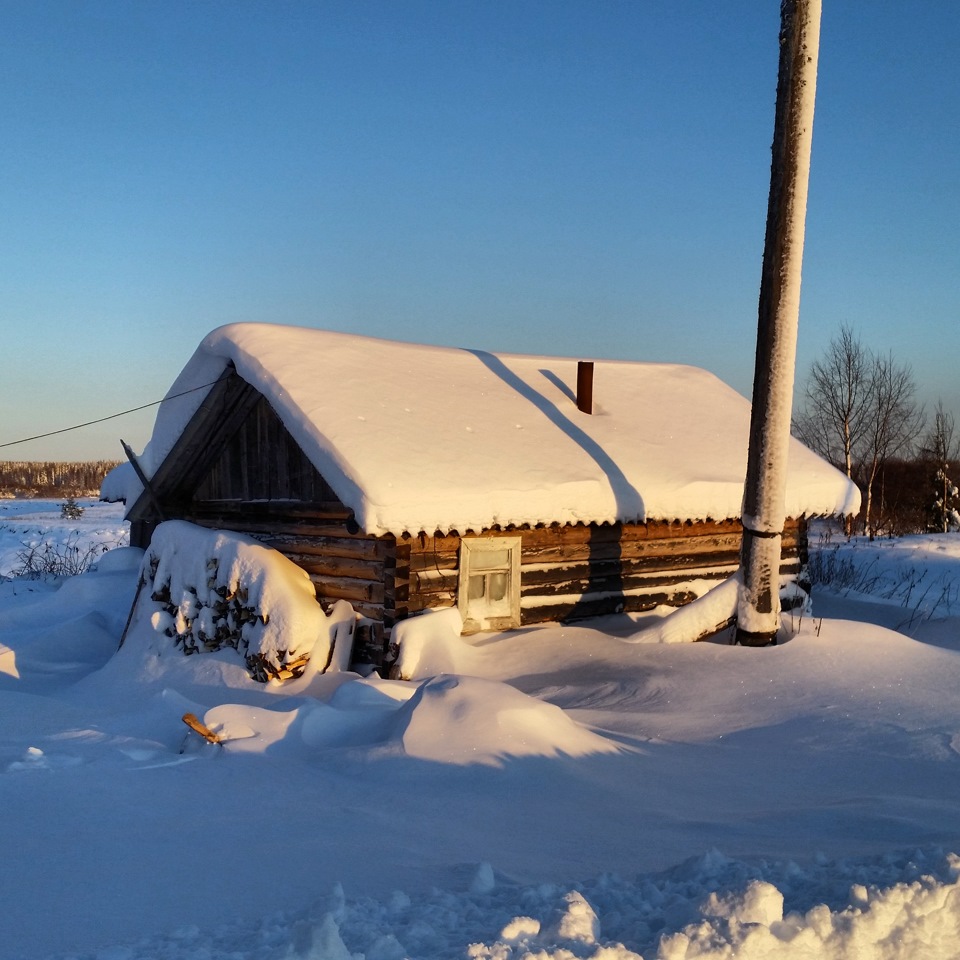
point(404, 478)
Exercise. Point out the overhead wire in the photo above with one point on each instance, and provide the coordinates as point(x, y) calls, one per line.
point(113, 416)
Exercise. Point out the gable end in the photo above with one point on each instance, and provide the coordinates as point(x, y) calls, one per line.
point(262, 461)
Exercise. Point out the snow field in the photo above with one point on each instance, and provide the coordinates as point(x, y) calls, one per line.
point(547, 793)
point(34, 524)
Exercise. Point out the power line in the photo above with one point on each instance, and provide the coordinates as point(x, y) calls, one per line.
point(113, 416)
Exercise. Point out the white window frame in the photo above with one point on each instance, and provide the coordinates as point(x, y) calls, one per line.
point(470, 549)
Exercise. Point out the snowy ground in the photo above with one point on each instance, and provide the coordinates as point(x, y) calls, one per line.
point(35, 528)
point(569, 794)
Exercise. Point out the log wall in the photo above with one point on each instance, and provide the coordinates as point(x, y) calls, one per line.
point(567, 572)
point(570, 572)
point(342, 563)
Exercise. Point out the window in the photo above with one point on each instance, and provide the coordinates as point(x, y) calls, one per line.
point(489, 588)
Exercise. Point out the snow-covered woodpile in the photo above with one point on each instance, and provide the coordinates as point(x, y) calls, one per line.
point(403, 478)
point(206, 590)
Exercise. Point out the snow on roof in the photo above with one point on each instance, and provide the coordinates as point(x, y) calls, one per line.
point(117, 483)
point(414, 437)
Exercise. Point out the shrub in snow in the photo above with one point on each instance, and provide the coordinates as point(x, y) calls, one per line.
point(209, 589)
point(39, 561)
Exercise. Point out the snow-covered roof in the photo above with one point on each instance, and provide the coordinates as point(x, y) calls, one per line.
point(414, 437)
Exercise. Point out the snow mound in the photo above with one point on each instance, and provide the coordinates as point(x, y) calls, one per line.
point(447, 719)
point(431, 644)
point(468, 720)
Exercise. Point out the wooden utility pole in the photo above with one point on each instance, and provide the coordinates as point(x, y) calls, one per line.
point(758, 607)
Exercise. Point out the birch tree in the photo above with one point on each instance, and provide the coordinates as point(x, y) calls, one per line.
point(894, 421)
point(836, 401)
point(859, 411)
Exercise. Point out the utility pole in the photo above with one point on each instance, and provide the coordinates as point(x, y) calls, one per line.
point(764, 497)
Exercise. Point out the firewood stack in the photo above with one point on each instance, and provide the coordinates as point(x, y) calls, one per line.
point(221, 616)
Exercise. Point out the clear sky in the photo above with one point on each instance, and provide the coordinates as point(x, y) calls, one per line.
point(581, 178)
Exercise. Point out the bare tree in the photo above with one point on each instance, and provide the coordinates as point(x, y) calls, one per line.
point(894, 422)
point(835, 413)
point(858, 412)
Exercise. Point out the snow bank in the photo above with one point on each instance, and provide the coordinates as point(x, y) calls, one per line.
point(207, 589)
point(710, 909)
point(713, 611)
point(454, 720)
point(507, 442)
point(694, 621)
point(917, 919)
point(920, 574)
point(464, 720)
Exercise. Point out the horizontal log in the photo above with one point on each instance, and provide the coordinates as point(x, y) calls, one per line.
point(434, 581)
point(431, 601)
point(337, 566)
point(598, 569)
point(275, 527)
point(435, 561)
point(279, 508)
point(637, 549)
point(342, 588)
point(353, 547)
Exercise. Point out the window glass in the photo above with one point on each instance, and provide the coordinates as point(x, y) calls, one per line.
point(489, 559)
point(496, 586)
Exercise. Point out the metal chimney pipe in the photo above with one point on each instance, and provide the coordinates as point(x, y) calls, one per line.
point(585, 385)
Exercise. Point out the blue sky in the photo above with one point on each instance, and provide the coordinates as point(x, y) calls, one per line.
point(580, 178)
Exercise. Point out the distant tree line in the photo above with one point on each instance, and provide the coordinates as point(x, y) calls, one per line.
point(25, 478)
point(859, 411)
